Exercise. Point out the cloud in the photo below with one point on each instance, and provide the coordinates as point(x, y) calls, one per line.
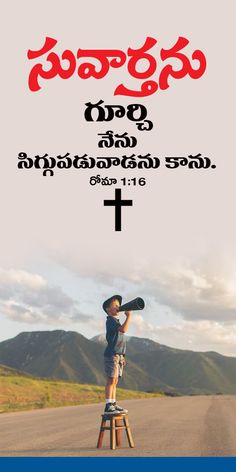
point(201, 289)
point(27, 297)
point(196, 293)
point(199, 335)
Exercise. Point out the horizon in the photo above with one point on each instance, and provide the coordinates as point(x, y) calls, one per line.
point(127, 339)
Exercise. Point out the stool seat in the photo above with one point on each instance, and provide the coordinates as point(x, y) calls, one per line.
point(115, 428)
point(107, 416)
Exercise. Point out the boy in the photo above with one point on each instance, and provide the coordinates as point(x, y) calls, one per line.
point(114, 354)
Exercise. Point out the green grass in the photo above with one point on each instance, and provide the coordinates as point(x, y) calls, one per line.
point(19, 392)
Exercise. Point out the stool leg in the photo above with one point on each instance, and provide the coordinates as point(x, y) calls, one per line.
point(112, 433)
point(128, 432)
point(117, 423)
point(101, 434)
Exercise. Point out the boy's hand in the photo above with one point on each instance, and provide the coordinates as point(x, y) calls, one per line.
point(127, 313)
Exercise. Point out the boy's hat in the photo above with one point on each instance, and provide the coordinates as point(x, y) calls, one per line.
point(108, 301)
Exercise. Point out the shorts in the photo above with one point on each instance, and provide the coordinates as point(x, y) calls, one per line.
point(114, 365)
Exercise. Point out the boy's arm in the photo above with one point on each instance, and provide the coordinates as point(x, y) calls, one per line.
point(124, 327)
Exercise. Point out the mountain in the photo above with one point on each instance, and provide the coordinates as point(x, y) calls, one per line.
point(186, 371)
point(57, 354)
point(70, 356)
point(100, 338)
point(182, 371)
point(150, 366)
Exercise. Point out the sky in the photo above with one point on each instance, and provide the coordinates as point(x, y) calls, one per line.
point(188, 306)
point(60, 257)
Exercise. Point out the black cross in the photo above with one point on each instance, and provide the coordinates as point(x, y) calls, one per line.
point(118, 203)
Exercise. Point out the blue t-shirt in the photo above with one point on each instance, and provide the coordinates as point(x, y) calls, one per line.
point(115, 339)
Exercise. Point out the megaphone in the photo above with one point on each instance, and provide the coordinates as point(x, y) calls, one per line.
point(136, 304)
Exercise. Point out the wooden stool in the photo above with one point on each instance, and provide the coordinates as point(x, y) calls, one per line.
point(115, 428)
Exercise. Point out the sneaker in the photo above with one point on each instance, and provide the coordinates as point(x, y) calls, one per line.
point(109, 408)
point(119, 408)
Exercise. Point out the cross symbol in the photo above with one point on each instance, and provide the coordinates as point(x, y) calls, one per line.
point(118, 203)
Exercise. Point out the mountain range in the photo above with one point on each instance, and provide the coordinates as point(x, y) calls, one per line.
point(151, 366)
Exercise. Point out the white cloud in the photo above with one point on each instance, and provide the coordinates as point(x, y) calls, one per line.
point(200, 289)
point(27, 297)
point(204, 289)
point(195, 294)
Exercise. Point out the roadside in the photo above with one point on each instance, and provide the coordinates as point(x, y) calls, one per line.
point(19, 392)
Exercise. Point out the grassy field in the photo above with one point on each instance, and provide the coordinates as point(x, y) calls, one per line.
point(22, 392)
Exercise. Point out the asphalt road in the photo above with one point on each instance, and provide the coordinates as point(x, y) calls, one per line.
point(183, 426)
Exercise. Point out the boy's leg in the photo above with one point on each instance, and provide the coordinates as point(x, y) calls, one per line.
point(109, 388)
point(111, 365)
point(114, 389)
point(120, 373)
point(113, 370)
point(109, 408)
